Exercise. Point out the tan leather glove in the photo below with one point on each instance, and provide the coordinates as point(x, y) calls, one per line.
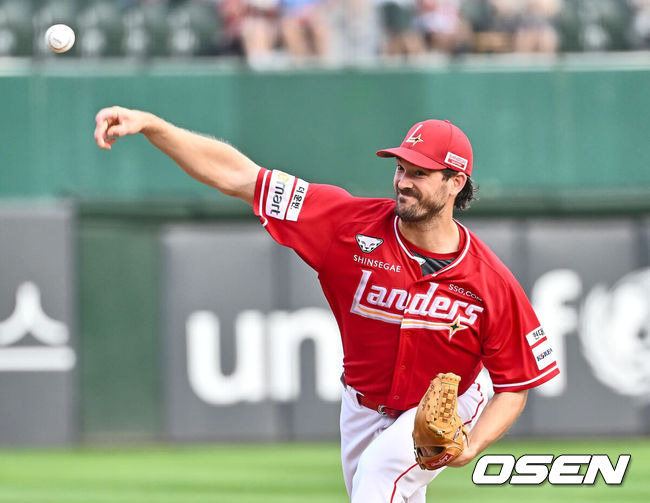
point(438, 433)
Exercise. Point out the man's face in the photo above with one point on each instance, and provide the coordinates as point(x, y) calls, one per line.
point(420, 194)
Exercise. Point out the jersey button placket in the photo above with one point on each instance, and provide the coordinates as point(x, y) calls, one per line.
point(403, 353)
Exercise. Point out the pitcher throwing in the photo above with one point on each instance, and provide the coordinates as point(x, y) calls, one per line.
point(415, 293)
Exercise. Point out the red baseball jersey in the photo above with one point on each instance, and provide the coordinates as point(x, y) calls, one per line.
point(400, 328)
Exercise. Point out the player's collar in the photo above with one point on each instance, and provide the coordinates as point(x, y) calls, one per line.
point(458, 260)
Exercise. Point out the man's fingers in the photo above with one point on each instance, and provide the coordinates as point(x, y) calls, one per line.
point(107, 114)
point(116, 131)
point(108, 127)
point(100, 136)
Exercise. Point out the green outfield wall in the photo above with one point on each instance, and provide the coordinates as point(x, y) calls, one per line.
point(544, 132)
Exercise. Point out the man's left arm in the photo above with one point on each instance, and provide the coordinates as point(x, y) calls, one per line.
point(498, 416)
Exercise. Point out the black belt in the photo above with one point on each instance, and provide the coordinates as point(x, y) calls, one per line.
point(369, 404)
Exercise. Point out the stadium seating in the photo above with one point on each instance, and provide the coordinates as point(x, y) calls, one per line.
point(109, 28)
point(190, 28)
point(16, 30)
point(100, 30)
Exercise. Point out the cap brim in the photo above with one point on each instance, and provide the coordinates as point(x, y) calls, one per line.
point(411, 156)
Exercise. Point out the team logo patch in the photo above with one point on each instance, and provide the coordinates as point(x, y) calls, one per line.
point(279, 194)
point(535, 336)
point(295, 206)
point(368, 243)
point(456, 161)
point(543, 353)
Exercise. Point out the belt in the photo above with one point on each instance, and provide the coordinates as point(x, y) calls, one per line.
point(369, 404)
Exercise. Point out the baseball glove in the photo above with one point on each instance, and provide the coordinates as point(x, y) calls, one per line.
point(438, 431)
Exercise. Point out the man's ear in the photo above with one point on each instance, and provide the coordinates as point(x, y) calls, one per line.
point(458, 181)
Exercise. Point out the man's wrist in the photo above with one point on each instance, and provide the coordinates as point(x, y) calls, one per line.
point(151, 124)
point(473, 448)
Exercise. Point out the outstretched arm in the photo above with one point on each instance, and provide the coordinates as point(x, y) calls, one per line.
point(500, 413)
point(208, 160)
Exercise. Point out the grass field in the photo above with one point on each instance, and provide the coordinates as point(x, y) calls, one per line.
point(287, 473)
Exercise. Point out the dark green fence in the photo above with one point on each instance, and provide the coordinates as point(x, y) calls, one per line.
point(545, 133)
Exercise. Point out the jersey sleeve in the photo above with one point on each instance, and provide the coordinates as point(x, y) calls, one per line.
point(301, 215)
point(517, 353)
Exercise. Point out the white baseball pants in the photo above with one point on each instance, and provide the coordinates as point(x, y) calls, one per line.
point(377, 452)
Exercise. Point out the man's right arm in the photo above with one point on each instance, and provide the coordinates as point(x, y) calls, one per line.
point(208, 160)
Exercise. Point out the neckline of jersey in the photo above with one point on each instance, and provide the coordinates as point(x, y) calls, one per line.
point(460, 255)
point(427, 253)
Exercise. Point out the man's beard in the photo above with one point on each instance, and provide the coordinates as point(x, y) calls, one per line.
point(422, 211)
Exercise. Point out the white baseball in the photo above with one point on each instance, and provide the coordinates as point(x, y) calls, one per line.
point(59, 37)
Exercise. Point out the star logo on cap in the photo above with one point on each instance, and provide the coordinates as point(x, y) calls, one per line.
point(415, 139)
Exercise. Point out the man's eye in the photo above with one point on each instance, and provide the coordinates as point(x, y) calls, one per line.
point(420, 173)
point(400, 168)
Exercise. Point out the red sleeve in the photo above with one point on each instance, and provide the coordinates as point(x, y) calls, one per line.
point(516, 352)
point(301, 215)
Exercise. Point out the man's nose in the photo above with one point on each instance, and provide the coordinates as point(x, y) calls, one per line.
point(403, 181)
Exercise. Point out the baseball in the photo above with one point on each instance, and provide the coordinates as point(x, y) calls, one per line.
point(59, 37)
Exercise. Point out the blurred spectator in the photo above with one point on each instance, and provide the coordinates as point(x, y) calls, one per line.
point(260, 31)
point(536, 30)
point(356, 30)
point(306, 31)
point(398, 25)
point(443, 27)
point(494, 23)
point(231, 14)
point(641, 23)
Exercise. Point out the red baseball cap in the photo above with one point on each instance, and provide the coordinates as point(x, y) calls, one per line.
point(435, 144)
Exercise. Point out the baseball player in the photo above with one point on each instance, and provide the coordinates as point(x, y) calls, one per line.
point(415, 293)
